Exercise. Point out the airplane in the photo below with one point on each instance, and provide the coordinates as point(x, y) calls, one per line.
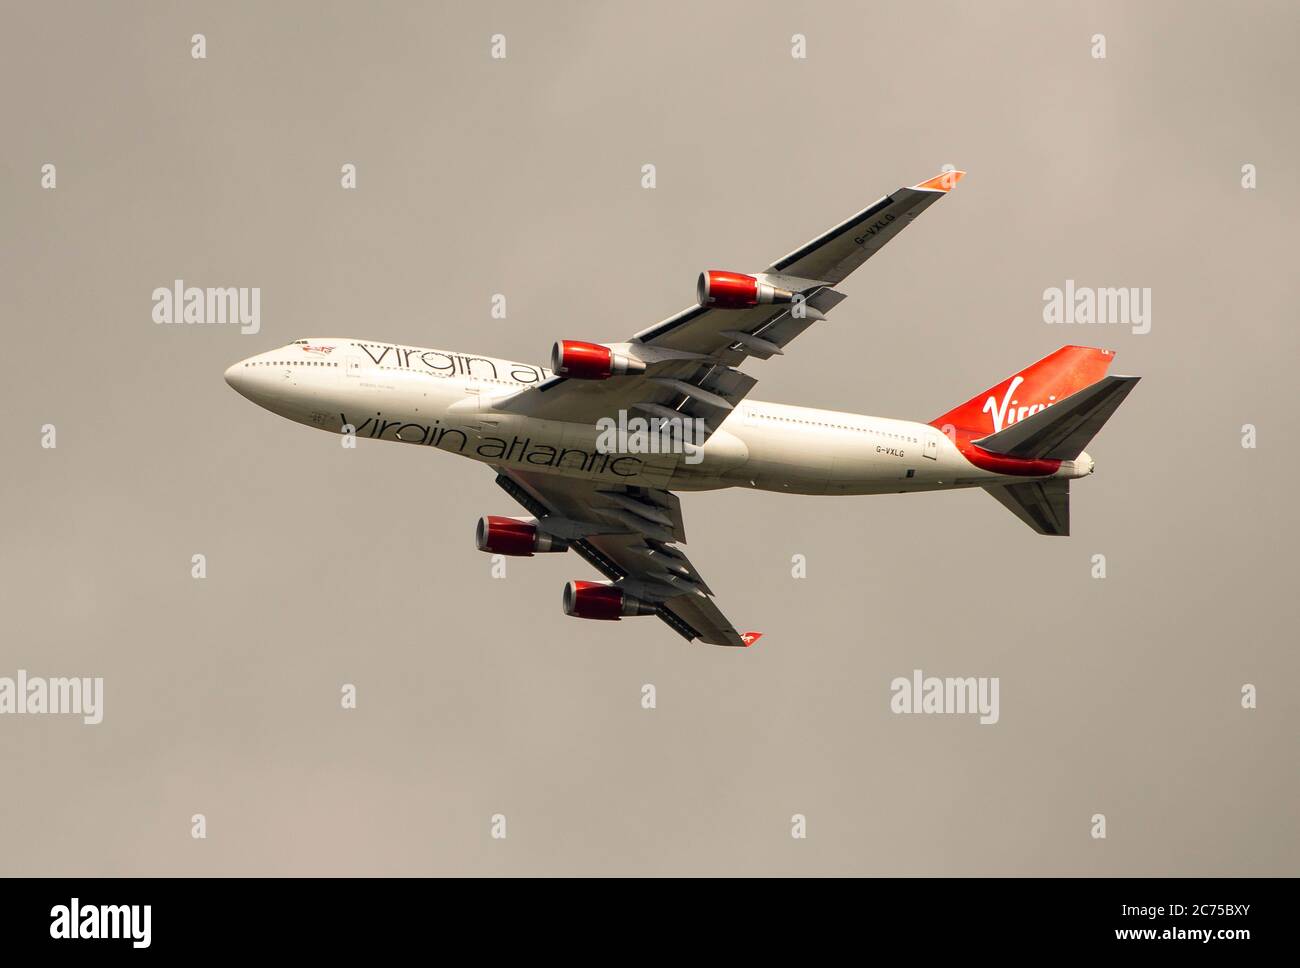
point(686, 423)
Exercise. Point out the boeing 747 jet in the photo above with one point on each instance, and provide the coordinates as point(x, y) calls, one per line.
point(594, 446)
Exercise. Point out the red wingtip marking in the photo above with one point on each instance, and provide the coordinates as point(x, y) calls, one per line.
point(749, 638)
point(945, 181)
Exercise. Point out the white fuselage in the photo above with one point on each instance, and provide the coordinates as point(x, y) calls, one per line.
point(441, 399)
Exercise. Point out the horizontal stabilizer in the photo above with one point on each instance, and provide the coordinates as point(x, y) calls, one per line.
point(1063, 430)
point(1043, 505)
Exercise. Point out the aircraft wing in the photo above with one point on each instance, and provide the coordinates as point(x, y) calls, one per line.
point(629, 535)
point(691, 357)
point(685, 367)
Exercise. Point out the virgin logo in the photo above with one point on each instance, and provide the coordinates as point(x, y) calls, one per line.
point(1009, 411)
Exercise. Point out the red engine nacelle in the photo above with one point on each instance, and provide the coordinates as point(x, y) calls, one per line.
point(590, 361)
point(514, 536)
point(602, 601)
point(735, 290)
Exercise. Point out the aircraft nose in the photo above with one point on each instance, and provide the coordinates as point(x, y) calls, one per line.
point(237, 377)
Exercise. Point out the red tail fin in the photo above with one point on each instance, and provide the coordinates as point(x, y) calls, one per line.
point(1068, 370)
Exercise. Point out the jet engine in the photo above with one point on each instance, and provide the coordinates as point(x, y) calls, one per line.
point(735, 290)
point(601, 600)
point(519, 537)
point(591, 361)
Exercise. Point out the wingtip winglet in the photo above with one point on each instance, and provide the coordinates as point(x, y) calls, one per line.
point(749, 638)
point(945, 181)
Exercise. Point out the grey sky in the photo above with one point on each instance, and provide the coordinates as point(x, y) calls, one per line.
point(477, 696)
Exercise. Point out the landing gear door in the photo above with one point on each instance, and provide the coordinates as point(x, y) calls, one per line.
point(931, 447)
